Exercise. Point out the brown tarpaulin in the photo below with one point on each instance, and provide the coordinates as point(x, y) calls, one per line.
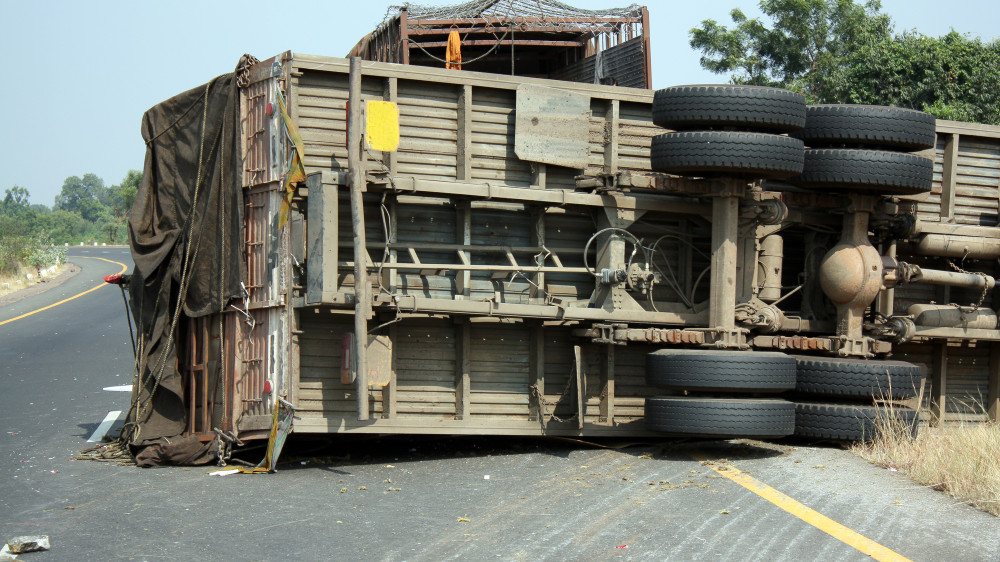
point(185, 231)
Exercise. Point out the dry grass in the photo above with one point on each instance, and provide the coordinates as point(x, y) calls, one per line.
point(18, 280)
point(962, 460)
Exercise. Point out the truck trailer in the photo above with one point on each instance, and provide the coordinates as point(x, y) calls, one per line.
point(383, 248)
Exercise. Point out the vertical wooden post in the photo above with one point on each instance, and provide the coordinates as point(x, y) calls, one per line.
point(722, 303)
point(390, 391)
point(939, 382)
point(993, 390)
point(390, 92)
point(949, 175)
point(645, 48)
point(537, 290)
point(463, 152)
point(463, 279)
point(463, 370)
point(608, 385)
point(581, 387)
point(404, 36)
point(611, 125)
point(536, 372)
point(362, 301)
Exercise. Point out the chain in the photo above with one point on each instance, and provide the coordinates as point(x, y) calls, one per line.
point(982, 296)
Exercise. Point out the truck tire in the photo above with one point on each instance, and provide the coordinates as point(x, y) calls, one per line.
point(727, 153)
point(720, 417)
point(890, 380)
point(739, 371)
point(871, 126)
point(869, 171)
point(850, 422)
point(743, 107)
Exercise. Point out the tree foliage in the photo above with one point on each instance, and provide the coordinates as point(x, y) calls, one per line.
point(85, 211)
point(836, 51)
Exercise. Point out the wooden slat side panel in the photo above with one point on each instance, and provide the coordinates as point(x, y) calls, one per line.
point(320, 344)
point(978, 181)
point(499, 376)
point(425, 371)
point(968, 377)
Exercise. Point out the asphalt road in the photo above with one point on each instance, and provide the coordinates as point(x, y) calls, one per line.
point(423, 499)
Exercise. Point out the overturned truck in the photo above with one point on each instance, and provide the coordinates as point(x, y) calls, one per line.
point(395, 249)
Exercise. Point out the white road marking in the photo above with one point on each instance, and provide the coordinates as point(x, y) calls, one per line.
point(120, 388)
point(102, 429)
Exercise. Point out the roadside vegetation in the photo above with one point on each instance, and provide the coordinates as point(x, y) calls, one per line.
point(33, 236)
point(961, 460)
point(837, 51)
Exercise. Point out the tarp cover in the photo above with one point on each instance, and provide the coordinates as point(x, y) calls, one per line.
point(186, 238)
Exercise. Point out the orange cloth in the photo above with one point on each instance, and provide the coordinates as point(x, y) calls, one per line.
point(454, 54)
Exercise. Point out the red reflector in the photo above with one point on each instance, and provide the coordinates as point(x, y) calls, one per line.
point(270, 109)
point(267, 387)
point(116, 279)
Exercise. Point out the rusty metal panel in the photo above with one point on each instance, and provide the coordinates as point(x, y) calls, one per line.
point(552, 126)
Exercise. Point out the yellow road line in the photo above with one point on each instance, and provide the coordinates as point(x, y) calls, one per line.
point(810, 516)
point(25, 315)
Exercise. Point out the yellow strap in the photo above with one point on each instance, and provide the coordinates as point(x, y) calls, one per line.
point(296, 172)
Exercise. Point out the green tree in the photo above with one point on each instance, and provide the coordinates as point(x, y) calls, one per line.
point(836, 51)
point(953, 77)
point(121, 197)
point(805, 48)
point(15, 201)
point(82, 195)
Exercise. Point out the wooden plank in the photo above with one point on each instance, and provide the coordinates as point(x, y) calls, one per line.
point(939, 381)
point(611, 137)
point(607, 396)
point(362, 300)
point(948, 178)
point(581, 386)
point(536, 371)
point(463, 370)
point(463, 168)
point(993, 391)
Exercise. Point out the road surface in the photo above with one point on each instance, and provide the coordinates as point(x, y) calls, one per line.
point(422, 499)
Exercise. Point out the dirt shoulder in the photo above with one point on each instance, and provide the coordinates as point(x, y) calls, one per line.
point(68, 271)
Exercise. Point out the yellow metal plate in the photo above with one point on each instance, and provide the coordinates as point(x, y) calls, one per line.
point(382, 126)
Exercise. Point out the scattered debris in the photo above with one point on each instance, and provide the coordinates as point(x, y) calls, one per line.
point(394, 490)
point(343, 490)
point(464, 520)
point(486, 477)
point(224, 472)
point(723, 512)
point(622, 546)
point(819, 466)
point(33, 543)
point(362, 488)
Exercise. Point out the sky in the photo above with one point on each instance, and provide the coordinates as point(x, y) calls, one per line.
point(79, 75)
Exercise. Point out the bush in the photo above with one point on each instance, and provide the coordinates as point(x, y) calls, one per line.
point(44, 257)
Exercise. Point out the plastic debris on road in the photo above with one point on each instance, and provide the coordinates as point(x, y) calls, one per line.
point(225, 472)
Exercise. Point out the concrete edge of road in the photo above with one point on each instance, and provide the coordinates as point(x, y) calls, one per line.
point(41, 287)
